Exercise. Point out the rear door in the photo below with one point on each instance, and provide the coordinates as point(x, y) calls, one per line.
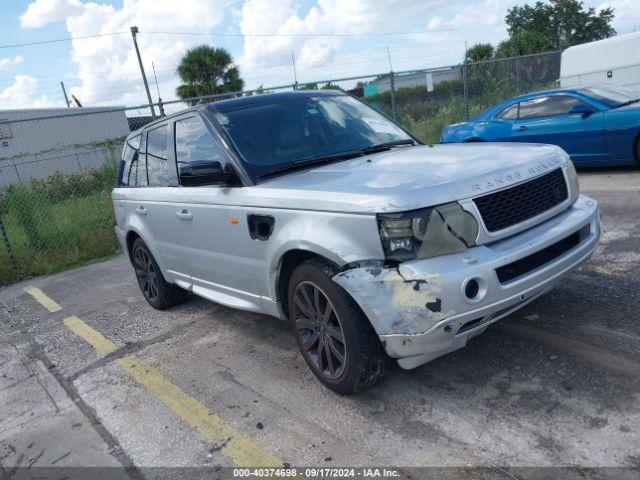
point(159, 207)
point(547, 119)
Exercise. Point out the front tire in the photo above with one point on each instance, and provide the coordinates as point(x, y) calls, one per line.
point(158, 293)
point(335, 338)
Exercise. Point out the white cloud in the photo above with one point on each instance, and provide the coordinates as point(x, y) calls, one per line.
point(6, 63)
point(41, 12)
point(327, 16)
point(627, 14)
point(107, 66)
point(23, 94)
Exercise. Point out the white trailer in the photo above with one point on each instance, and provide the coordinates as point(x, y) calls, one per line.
point(615, 60)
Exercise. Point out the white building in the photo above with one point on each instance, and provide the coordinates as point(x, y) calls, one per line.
point(36, 143)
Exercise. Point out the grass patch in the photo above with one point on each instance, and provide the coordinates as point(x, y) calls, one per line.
point(58, 223)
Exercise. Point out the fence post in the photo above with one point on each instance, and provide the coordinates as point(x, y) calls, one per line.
point(392, 84)
point(7, 245)
point(161, 107)
point(518, 81)
point(465, 90)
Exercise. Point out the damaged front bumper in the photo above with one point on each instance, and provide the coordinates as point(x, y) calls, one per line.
point(426, 308)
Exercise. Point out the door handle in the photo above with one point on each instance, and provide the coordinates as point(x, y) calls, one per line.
point(141, 211)
point(184, 215)
point(522, 128)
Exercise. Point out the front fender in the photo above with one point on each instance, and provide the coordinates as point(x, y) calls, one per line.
point(340, 238)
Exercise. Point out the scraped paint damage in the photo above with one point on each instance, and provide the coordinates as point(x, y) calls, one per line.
point(396, 301)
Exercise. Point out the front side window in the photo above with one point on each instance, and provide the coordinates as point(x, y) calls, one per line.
point(194, 143)
point(157, 156)
point(547, 106)
point(509, 113)
point(274, 131)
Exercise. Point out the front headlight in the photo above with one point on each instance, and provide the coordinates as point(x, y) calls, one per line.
point(426, 233)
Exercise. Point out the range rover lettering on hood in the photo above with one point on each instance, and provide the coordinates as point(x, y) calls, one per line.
point(515, 176)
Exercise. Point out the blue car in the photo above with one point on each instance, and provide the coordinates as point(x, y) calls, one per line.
point(597, 126)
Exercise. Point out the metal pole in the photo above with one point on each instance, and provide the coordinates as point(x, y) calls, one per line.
point(134, 31)
point(295, 76)
point(392, 84)
point(465, 90)
point(160, 106)
point(64, 91)
point(518, 80)
point(7, 245)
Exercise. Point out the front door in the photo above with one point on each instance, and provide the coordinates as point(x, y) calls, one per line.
point(214, 235)
point(547, 120)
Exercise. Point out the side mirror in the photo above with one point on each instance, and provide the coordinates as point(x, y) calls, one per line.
point(205, 172)
point(584, 110)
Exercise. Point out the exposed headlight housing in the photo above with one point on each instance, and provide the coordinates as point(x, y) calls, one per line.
point(428, 232)
point(574, 184)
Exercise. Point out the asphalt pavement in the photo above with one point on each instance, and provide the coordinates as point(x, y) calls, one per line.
point(90, 375)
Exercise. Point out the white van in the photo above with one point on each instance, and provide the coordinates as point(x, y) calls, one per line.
point(613, 60)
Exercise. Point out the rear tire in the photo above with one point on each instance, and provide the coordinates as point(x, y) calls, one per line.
point(158, 293)
point(335, 338)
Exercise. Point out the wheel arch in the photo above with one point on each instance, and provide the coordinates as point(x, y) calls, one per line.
point(131, 237)
point(288, 262)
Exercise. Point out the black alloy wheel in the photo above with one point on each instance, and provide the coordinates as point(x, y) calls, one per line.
point(145, 273)
point(319, 330)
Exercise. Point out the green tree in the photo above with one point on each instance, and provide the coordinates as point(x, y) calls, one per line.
point(523, 43)
point(206, 70)
point(479, 52)
point(561, 22)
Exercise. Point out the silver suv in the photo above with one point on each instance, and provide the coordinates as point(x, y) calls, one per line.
point(314, 207)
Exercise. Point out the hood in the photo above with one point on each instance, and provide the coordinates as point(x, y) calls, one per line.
point(407, 178)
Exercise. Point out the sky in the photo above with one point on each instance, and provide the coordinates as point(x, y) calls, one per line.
point(327, 39)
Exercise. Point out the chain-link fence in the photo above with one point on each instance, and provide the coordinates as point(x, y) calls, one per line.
point(57, 167)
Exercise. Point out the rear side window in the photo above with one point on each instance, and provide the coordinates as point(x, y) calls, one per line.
point(547, 106)
point(194, 143)
point(129, 163)
point(157, 156)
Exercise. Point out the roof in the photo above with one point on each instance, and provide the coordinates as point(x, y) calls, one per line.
point(267, 97)
point(238, 102)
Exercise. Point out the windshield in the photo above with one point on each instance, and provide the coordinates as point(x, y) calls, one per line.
point(279, 130)
point(611, 96)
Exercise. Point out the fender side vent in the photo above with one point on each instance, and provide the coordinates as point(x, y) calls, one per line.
point(260, 226)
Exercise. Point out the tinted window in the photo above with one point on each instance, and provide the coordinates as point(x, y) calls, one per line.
point(194, 143)
point(127, 176)
point(139, 167)
point(547, 106)
point(509, 112)
point(273, 130)
point(157, 156)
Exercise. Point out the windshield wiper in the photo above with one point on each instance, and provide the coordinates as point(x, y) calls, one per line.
point(306, 162)
point(333, 157)
point(379, 147)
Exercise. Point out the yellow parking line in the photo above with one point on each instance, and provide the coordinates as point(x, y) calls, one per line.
point(94, 338)
point(43, 299)
point(243, 450)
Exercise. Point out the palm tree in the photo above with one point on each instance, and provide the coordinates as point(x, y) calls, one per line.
point(207, 70)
